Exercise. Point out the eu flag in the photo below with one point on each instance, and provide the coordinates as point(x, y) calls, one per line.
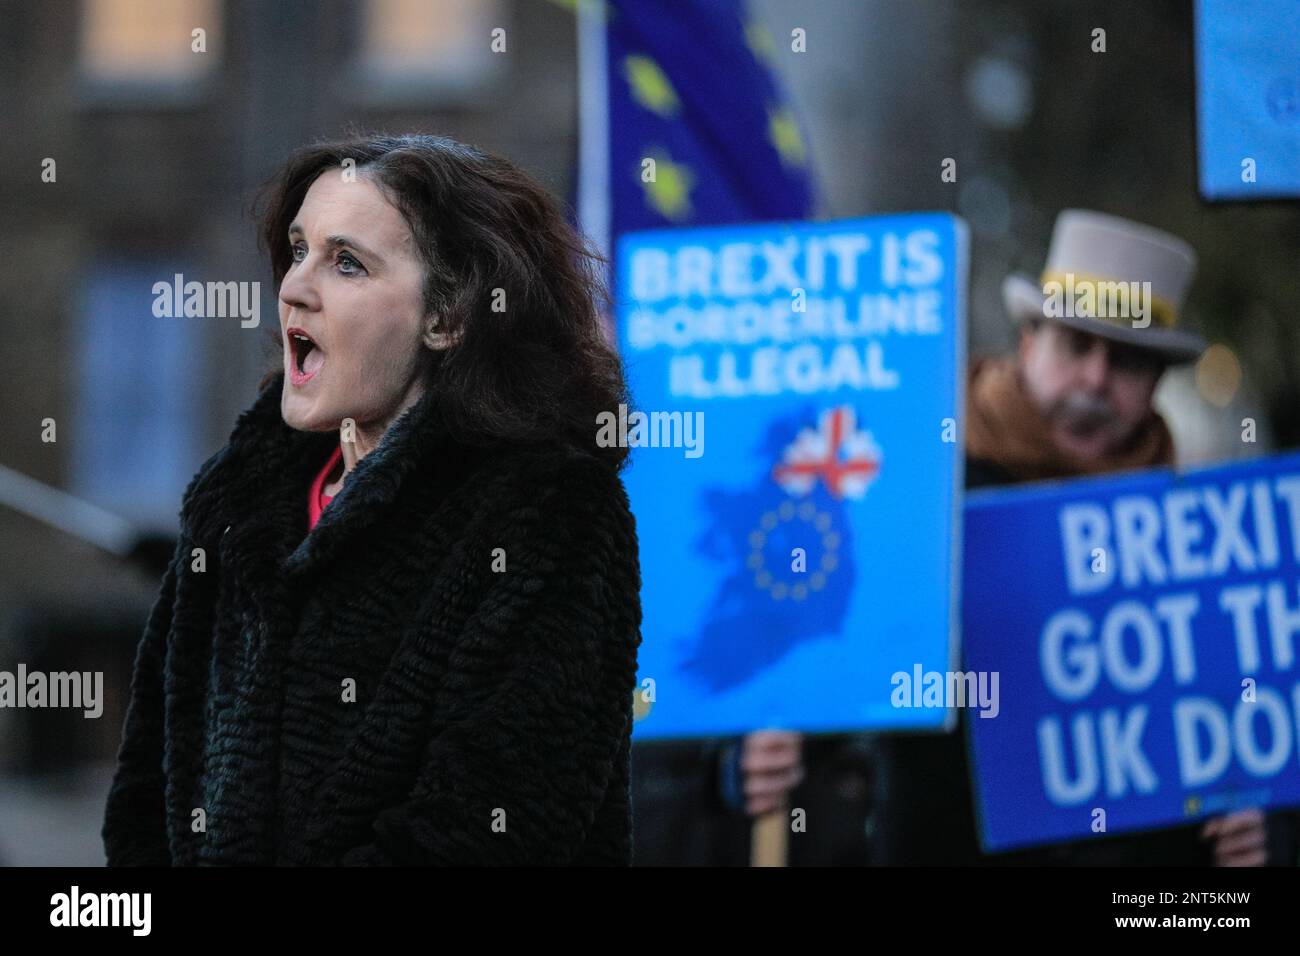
point(698, 131)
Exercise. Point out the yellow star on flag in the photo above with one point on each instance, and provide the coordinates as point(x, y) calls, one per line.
point(650, 86)
point(670, 192)
point(783, 133)
point(760, 43)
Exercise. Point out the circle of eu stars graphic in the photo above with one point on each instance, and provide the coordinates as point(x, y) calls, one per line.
point(793, 525)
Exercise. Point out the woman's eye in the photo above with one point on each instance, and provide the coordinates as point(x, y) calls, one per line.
point(350, 266)
point(299, 249)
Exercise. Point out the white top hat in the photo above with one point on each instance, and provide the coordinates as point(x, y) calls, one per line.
point(1114, 278)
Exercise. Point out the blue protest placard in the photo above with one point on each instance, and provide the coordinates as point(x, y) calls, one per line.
point(794, 477)
point(1248, 99)
point(1145, 630)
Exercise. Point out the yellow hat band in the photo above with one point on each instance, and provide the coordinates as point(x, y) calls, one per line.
point(1110, 300)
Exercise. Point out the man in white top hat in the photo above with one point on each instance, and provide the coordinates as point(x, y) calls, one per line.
point(1097, 330)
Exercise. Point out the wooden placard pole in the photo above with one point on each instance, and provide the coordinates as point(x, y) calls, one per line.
point(770, 838)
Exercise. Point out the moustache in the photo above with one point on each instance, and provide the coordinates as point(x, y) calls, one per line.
point(1084, 412)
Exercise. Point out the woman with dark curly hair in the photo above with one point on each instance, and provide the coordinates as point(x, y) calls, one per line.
point(401, 622)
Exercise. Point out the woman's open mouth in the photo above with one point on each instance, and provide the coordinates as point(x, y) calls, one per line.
point(305, 356)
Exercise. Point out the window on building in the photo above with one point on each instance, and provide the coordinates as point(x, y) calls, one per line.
point(159, 49)
point(136, 436)
point(430, 49)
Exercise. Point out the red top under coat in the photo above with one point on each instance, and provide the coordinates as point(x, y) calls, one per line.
point(316, 498)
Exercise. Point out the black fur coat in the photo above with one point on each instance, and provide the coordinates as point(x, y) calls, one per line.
point(441, 672)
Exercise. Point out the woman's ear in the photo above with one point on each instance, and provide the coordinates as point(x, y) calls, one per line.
point(432, 337)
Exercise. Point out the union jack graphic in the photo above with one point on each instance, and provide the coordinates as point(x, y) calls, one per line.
point(846, 459)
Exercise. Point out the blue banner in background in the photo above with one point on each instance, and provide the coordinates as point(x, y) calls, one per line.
point(794, 479)
point(1248, 98)
point(1145, 629)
